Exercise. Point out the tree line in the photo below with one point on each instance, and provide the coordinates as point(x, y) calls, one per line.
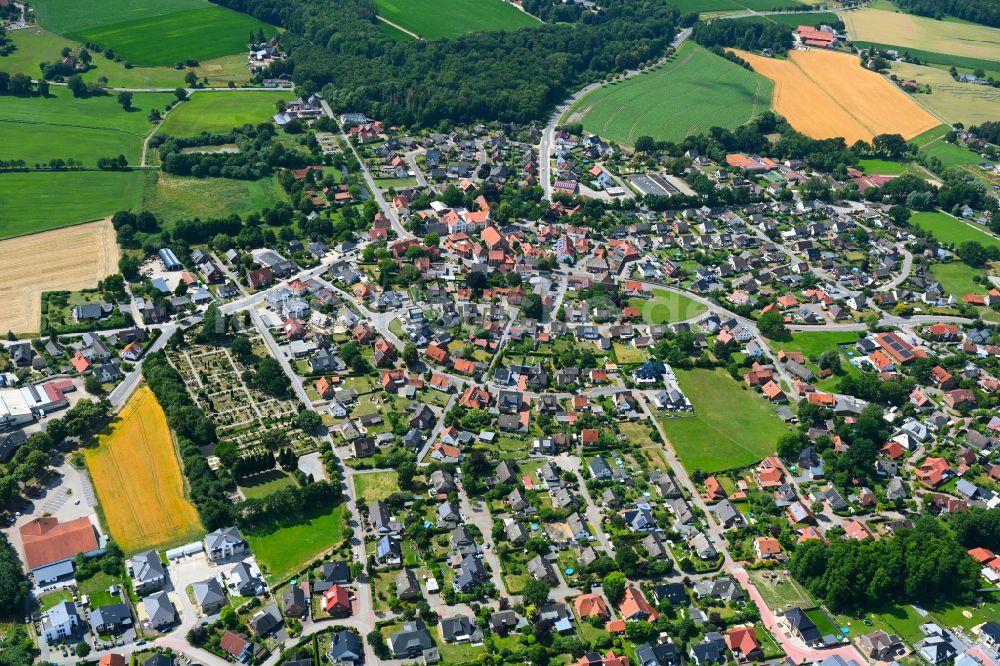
point(745, 35)
point(986, 12)
point(516, 75)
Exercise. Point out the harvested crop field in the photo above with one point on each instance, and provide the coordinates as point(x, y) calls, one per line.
point(955, 102)
point(74, 258)
point(138, 479)
point(918, 32)
point(691, 93)
point(826, 94)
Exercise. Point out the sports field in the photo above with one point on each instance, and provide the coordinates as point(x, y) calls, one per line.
point(731, 427)
point(138, 479)
point(666, 306)
point(37, 129)
point(438, 19)
point(953, 101)
point(696, 90)
point(74, 258)
point(36, 201)
point(826, 94)
point(151, 32)
point(951, 230)
point(222, 111)
point(918, 32)
point(173, 198)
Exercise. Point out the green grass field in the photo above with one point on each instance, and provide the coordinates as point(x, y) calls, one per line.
point(688, 6)
point(882, 167)
point(284, 549)
point(373, 486)
point(35, 45)
point(37, 129)
point(438, 19)
point(666, 306)
point(953, 101)
point(795, 20)
point(264, 484)
point(956, 278)
point(173, 198)
point(148, 32)
point(222, 111)
point(731, 427)
point(32, 202)
point(394, 33)
point(951, 230)
point(693, 92)
point(814, 343)
point(780, 590)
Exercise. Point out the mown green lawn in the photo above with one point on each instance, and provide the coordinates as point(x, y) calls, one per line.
point(883, 167)
point(667, 306)
point(814, 343)
point(37, 201)
point(222, 111)
point(956, 278)
point(372, 486)
point(437, 19)
point(951, 230)
point(284, 548)
point(731, 427)
point(262, 485)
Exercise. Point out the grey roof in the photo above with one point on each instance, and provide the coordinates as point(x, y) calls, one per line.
point(452, 628)
point(411, 639)
point(221, 537)
point(111, 615)
point(146, 566)
point(208, 592)
point(345, 646)
point(159, 609)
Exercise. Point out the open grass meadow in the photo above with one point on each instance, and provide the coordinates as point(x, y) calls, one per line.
point(794, 20)
point(731, 427)
point(35, 45)
point(779, 590)
point(284, 548)
point(689, 6)
point(172, 198)
point(956, 278)
point(394, 33)
point(955, 102)
point(222, 111)
point(439, 19)
point(882, 167)
point(36, 201)
point(814, 343)
point(951, 230)
point(371, 486)
point(692, 92)
point(909, 32)
point(151, 33)
point(138, 479)
point(37, 129)
point(667, 306)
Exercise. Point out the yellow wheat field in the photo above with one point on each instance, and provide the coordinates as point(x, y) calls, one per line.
point(138, 479)
point(70, 258)
point(826, 94)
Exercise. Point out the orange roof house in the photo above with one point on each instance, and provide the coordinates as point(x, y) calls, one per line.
point(47, 541)
point(769, 473)
point(773, 392)
point(475, 398)
point(492, 237)
point(595, 659)
point(436, 353)
point(857, 530)
point(589, 436)
point(464, 366)
point(591, 605)
point(743, 643)
point(892, 450)
point(337, 601)
point(635, 608)
point(982, 555)
point(714, 490)
point(766, 547)
point(324, 387)
point(112, 659)
point(932, 471)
